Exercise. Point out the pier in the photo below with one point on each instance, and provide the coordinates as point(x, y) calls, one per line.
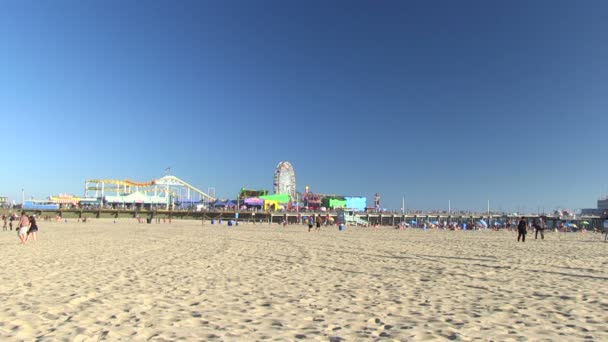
point(383, 219)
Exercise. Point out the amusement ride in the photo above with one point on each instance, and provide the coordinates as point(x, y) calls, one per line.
point(168, 190)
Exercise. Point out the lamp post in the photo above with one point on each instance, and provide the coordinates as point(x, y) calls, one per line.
point(238, 204)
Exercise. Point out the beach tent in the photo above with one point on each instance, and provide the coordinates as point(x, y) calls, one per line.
point(230, 203)
point(483, 223)
point(219, 203)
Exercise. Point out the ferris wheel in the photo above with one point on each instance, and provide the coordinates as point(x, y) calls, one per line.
point(285, 180)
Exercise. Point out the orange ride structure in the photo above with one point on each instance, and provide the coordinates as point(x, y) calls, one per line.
point(165, 192)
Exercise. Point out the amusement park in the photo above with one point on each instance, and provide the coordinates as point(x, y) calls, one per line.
point(170, 196)
point(172, 193)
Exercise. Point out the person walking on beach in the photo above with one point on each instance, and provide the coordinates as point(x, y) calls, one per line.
point(24, 226)
point(10, 221)
point(310, 222)
point(539, 226)
point(33, 231)
point(318, 221)
point(521, 229)
point(5, 219)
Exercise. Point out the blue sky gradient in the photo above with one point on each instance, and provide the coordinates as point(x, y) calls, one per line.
point(465, 101)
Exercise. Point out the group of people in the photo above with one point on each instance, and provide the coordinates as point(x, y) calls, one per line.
point(26, 229)
point(315, 219)
point(8, 221)
point(522, 228)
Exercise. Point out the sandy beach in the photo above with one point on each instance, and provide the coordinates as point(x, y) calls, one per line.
point(102, 280)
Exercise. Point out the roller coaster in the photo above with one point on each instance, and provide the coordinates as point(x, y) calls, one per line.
point(168, 189)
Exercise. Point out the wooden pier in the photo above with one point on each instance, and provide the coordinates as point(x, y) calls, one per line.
point(384, 219)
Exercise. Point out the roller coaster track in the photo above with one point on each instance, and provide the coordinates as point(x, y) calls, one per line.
point(126, 182)
point(166, 181)
point(174, 181)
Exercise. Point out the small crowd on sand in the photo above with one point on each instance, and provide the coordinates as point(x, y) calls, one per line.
point(27, 227)
point(538, 224)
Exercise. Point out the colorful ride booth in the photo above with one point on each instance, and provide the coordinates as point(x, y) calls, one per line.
point(334, 203)
point(253, 203)
point(65, 201)
point(312, 201)
point(275, 202)
point(356, 203)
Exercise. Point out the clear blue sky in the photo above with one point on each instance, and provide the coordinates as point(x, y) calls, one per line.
point(465, 101)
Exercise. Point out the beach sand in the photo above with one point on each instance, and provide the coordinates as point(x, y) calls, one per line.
point(127, 281)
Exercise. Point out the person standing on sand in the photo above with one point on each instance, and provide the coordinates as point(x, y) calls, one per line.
point(310, 222)
point(539, 225)
point(521, 229)
point(33, 231)
point(10, 221)
point(5, 219)
point(318, 221)
point(24, 225)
